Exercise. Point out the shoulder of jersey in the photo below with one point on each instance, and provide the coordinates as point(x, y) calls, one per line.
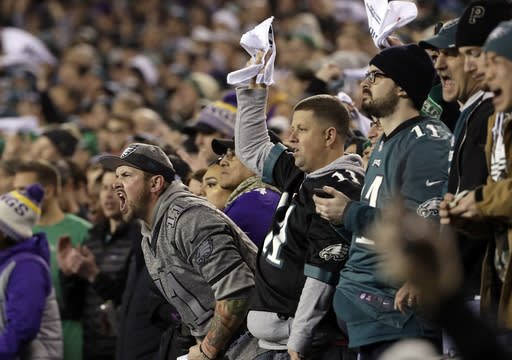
point(341, 176)
point(431, 129)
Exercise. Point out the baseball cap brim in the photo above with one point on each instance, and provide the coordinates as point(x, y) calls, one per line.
point(111, 162)
point(437, 42)
point(445, 39)
point(221, 146)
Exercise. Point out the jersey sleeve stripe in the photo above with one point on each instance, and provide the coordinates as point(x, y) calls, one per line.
point(320, 274)
point(270, 162)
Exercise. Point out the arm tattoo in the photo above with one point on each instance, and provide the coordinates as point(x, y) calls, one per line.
point(228, 316)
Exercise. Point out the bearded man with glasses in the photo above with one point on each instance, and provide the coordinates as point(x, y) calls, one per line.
point(409, 161)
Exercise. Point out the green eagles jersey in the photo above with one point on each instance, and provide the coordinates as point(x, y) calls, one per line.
point(412, 163)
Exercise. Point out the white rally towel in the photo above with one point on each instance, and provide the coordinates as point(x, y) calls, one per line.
point(384, 18)
point(258, 39)
point(20, 46)
point(13, 125)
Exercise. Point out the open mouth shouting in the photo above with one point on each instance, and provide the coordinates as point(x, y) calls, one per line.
point(447, 82)
point(122, 200)
point(498, 97)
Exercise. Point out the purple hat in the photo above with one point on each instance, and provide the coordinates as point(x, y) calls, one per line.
point(217, 116)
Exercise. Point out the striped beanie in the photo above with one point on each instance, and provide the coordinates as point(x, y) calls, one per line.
point(20, 211)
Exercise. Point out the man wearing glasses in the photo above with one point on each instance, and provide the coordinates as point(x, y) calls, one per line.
point(409, 161)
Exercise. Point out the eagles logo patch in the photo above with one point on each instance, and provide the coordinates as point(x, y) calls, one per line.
point(429, 207)
point(337, 252)
point(128, 151)
point(203, 252)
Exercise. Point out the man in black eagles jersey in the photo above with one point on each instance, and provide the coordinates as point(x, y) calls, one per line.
point(299, 262)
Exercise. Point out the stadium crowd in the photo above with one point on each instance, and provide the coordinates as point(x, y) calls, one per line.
point(357, 205)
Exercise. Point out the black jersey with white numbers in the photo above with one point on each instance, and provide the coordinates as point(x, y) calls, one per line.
point(300, 243)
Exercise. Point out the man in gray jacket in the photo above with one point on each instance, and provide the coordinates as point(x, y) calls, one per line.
point(197, 257)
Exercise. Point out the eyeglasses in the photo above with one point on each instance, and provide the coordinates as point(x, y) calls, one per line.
point(229, 155)
point(372, 75)
point(375, 123)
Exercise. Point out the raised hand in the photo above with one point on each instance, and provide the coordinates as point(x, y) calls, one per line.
point(88, 268)
point(68, 258)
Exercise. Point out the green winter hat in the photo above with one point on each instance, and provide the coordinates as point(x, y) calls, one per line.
point(499, 40)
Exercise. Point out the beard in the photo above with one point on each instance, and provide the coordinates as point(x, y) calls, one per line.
point(137, 208)
point(381, 107)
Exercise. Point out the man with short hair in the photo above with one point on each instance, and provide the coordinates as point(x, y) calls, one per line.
point(409, 161)
point(54, 144)
point(198, 258)
point(54, 222)
point(301, 256)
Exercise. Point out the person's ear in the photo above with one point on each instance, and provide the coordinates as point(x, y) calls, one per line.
point(157, 183)
point(401, 92)
point(330, 135)
point(49, 192)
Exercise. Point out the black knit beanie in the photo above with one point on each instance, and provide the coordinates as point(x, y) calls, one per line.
point(62, 140)
point(479, 19)
point(410, 67)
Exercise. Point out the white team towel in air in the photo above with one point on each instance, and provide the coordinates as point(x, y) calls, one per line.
point(21, 47)
point(258, 39)
point(384, 18)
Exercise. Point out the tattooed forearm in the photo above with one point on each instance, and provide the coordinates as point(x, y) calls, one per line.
point(228, 316)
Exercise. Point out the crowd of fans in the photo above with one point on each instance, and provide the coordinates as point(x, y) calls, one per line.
point(319, 172)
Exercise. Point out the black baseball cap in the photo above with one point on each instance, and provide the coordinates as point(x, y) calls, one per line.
point(221, 146)
point(149, 158)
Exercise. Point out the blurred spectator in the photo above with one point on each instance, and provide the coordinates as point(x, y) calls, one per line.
point(414, 250)
point(116, 133)
point(30, 325)
point(54, 144)
point(216, 120)
point(7, 172)
point(195, 182)
point(186, 100)
point(211, 188)
point(54, 222)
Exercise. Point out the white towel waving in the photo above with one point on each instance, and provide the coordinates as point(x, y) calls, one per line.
point(384, 18)
point(261, 38)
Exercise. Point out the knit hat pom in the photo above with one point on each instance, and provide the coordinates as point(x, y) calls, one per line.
point(20, 211)
point(35, 193)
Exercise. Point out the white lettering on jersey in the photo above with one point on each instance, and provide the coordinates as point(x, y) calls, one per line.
point(364, 241)
point(341, 178)
point(373, 192)
point(274, 242)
